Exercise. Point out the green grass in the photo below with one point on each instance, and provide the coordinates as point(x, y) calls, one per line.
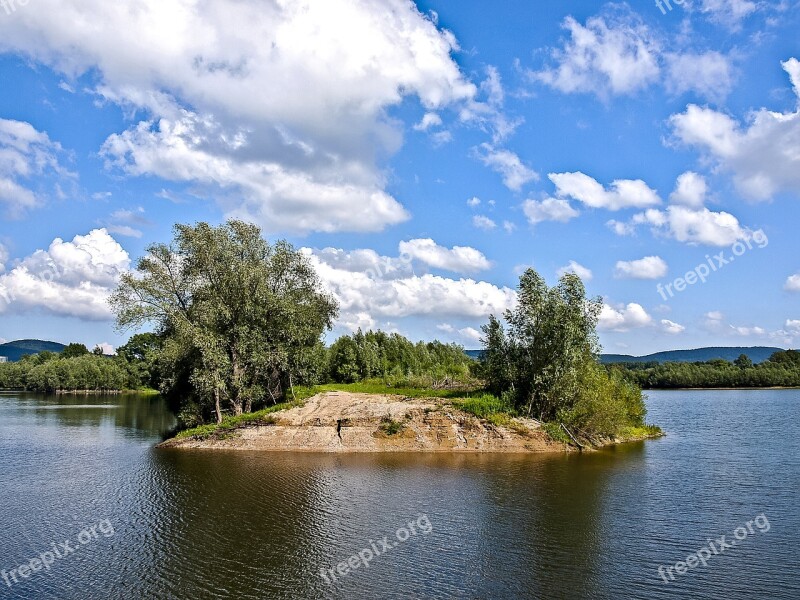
point(644, 431)
point(229, 424)
point(484, 406)
point(379, 387)
point(556, 433)
point(391, 427)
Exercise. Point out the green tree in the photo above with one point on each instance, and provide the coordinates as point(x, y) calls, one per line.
point(73, 350)
point(237, 314)
point(743, 362)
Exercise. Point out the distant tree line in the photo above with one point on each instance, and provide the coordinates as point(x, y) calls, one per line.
point(781, 370)
point(75, 368)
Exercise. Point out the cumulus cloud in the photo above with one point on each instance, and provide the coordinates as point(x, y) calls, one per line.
point(710, 74)
point(278, 110)
point(429, 120)
point(793, 325)
point(549, 209)
point(468, 334)
point(694, 226)
point(25, 156)
point(623, 318)
point(69, 278)
point(515, 174)
point(792, 283)
point(459, 259)
point(671, 327)
point(367, 298)
point(573, 267)
point(483, 222)
point(761, 154)
point(730, 13)
point(649, 267)
point(615, 53)
point(623, 193)
point(610, 55)
point(474, 202)
point(691, 190)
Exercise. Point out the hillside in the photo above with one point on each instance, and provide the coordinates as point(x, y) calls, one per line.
point(757, 354)
point(16, 350)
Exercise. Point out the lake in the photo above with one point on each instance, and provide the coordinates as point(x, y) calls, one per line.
point(141, 522)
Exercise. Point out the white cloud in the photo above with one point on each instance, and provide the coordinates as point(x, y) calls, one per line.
point(573, 267)
point(671, 327)
point(549, 209)
point(623, 318)
point(608, 56)
point(509, 227)
point(107, 348)
point(69, 278)
point(792, 283)
point(3, 258)
point(691, 190)
point(623, 193)
point(761, 154)
point(474, 202)
point(364, 297)
point(793, 325)
point(430, 119)
point(483, 222)
point(728, 12)
point(26, 155)
point(280, 111)
point(469, 334)
point(693, 226)
point(710, 74)
point(649, 267)
point(459, 259)
point(515, 173)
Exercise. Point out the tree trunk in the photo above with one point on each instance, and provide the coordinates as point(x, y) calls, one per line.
point(217, 407)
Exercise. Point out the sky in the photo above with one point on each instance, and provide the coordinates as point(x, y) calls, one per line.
point(421, 155)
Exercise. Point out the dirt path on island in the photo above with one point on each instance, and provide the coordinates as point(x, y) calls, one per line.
point(346, 422)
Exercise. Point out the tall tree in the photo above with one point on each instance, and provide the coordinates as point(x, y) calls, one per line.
point(236, 312)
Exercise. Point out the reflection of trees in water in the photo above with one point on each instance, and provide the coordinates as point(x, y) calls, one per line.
point(145, 414)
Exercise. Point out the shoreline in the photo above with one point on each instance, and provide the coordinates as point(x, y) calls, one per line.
point(344, 422)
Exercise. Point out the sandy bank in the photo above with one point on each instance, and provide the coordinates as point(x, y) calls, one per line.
point(347, 422)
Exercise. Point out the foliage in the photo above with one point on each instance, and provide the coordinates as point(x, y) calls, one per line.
point(49, 372)
point(74, 350)
point(392, 357)
point(391, 427)
point(545, 359)
point(781, 370)
point(238, 316)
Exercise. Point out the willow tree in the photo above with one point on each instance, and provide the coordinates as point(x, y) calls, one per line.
point(236, 313)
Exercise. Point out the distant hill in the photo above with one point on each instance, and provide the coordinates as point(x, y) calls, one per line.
point(757, 354)
point(16, 350)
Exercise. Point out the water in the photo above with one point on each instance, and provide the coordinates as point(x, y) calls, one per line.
point(244, 525)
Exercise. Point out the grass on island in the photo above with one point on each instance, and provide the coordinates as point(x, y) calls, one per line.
point(470, 399)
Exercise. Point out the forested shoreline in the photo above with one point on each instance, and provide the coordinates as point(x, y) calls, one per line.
point(781, 370)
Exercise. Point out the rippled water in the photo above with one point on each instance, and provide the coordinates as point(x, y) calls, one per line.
point(247, 525)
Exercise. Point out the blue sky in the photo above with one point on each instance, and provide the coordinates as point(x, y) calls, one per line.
point(422, 155)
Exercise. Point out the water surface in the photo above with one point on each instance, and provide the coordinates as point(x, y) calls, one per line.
point(200, 524)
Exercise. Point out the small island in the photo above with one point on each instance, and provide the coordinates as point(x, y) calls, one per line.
point(238, 341)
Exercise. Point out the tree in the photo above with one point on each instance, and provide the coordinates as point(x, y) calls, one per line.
point(743, 362)
point(551, 334)
point(74, 350)
point(546, 359)
point(236, 313)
